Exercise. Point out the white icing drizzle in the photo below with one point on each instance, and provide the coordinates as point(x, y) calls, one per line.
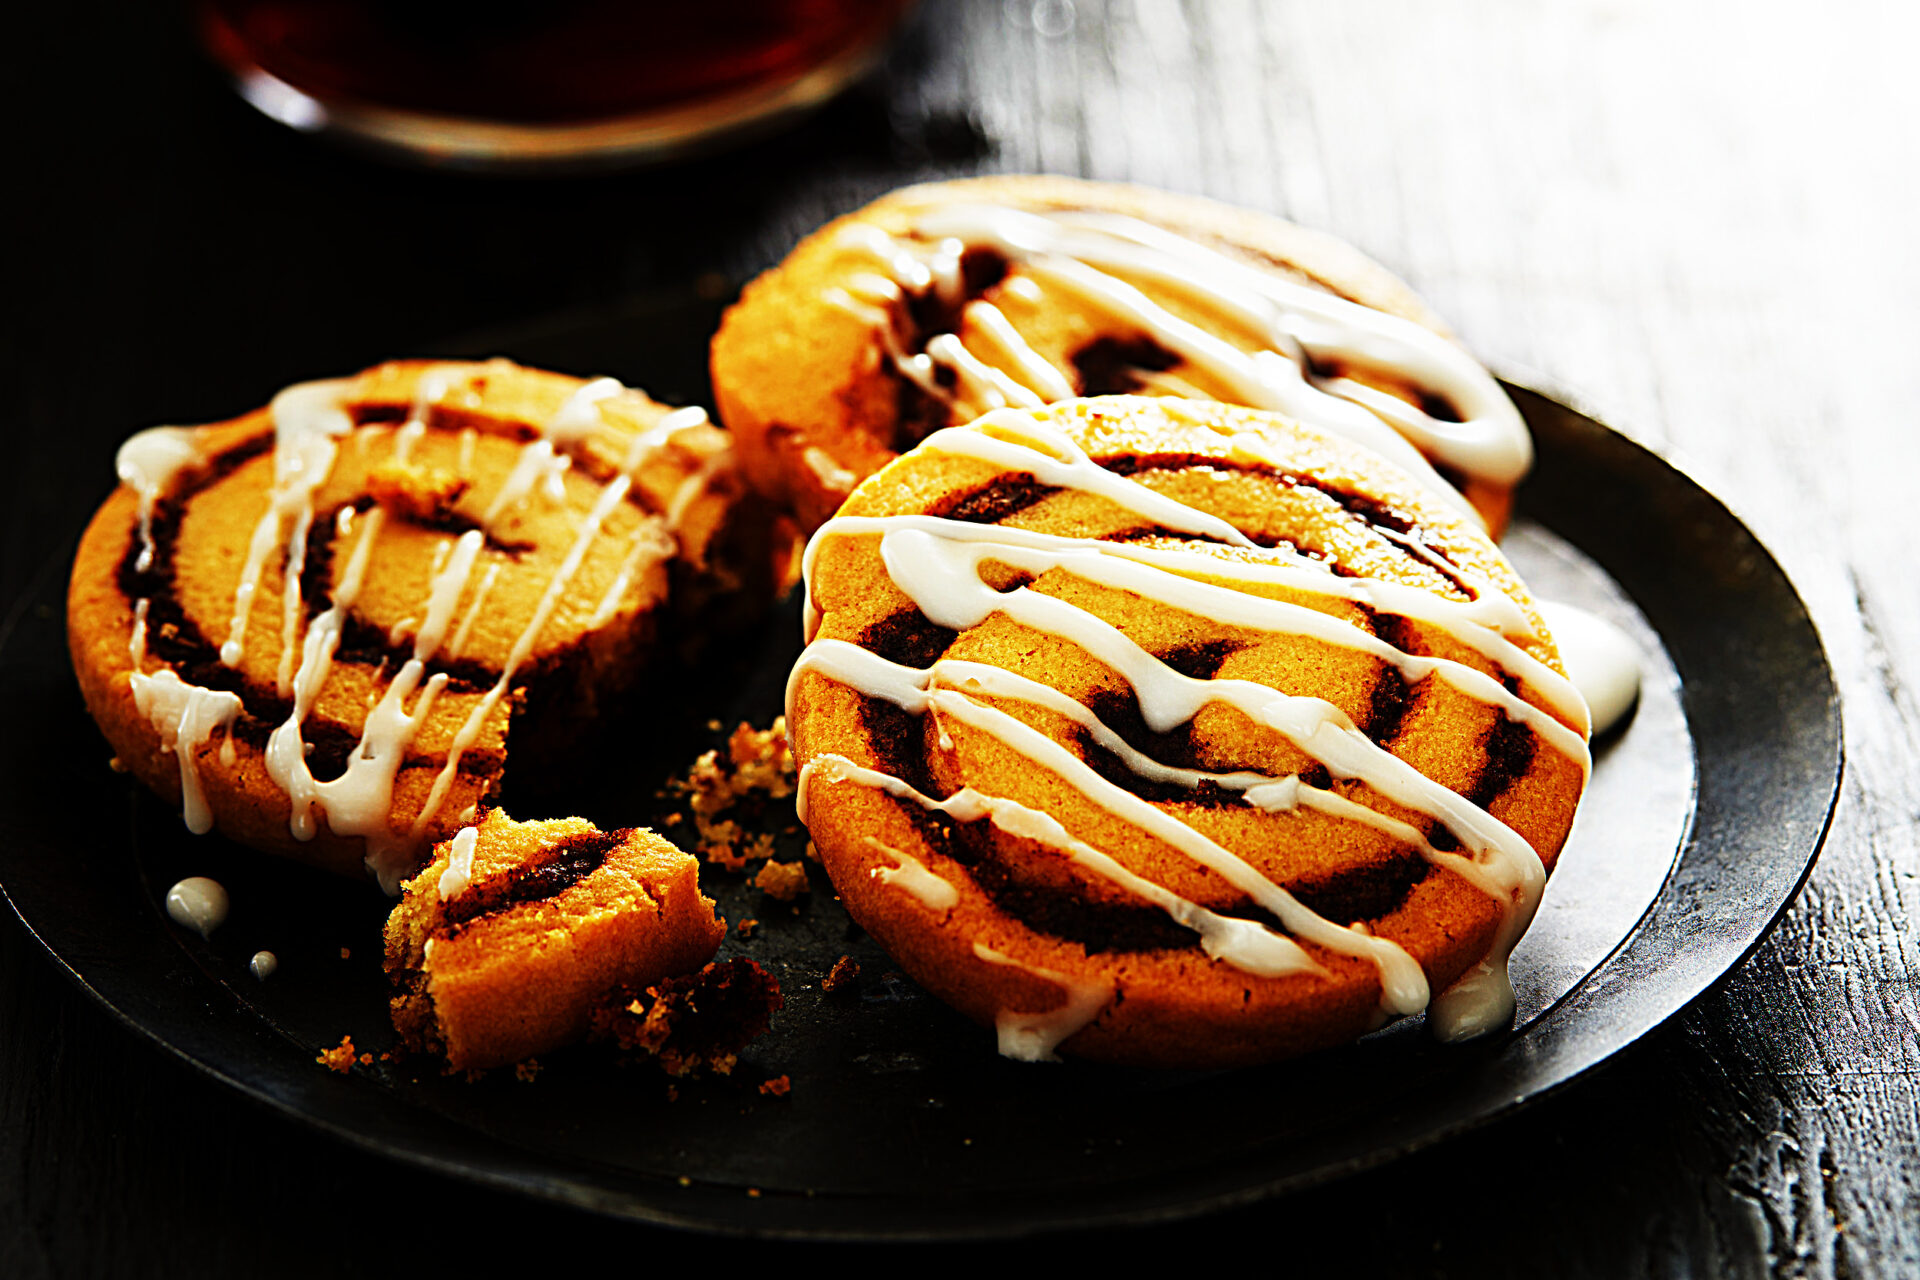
point(832, 475)
point(938, 565)
point(1602, 659)
point(1041, 376)
point(290, 599)
point(956, 552)
point(579, 416)
point(1245, 944)
point(185, 716)
point(539, 466)
point(459, 642)
point(263, 965)
point(199, 904)
point(359, 801)
point(649, 442)
point(308, 420)
point(656, 540)
point(1033, 1037)
point(459, 873)
point(148, 463)
point(356, 803)
point(448, 583)
point(651, 544)
point(137, 642)
point(915, 879)
point(1101, 259)
point(589, 529)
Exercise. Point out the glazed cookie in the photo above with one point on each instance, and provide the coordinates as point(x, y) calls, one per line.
point(318, 626)
point(1174, 733)
point(940, 302)
point(505, 943)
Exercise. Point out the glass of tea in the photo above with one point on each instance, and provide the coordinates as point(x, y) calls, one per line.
point(542, 85)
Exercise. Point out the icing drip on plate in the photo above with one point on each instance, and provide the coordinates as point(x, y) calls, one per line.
point(1602, 660)
point(941, 566)
point(1033, 1037)
point(199, 904)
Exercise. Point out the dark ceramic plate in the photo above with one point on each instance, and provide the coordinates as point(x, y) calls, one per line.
point(1705, 815)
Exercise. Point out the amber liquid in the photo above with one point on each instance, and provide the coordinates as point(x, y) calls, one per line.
point(539, 62)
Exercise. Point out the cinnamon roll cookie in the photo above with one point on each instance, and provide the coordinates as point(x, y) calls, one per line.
point(940, 302)
point(317, 627)
point(1175, 733)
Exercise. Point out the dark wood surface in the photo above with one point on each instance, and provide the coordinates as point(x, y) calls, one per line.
point(1693, 215)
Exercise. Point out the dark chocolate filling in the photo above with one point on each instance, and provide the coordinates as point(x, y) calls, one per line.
point(1111, 766)
point(1439, 408)
point(1510, 747)
point(916, 415)
point(1201, 661)
point(573, 859)
point(1391, 698)
point(1119, 710)
point(908, 638)
point(1363, 893)
point(994, 501)
point(1110, 366)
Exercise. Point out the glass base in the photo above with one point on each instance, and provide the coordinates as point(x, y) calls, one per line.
point(484, 146)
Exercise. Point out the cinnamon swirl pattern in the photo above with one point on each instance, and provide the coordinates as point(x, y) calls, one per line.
point(1173, 733)
point(941, 302)
point(316, 624)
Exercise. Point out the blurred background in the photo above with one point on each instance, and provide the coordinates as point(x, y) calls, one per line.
point(1689, 215)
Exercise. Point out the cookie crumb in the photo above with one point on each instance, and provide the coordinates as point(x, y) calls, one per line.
point(366, 1059)
point(673, 1095)
point(753, 1193)
point(526, 1072)
point(345, 954)
point(116, 764)
point(844, 973)
point(413, 491)
point(782, 880)
point(746, 927)
point(340, 1058)
point(778, 1087)
point(757, 765)
point(698, 1022)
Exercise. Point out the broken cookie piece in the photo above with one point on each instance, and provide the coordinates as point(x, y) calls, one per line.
point(505, 942)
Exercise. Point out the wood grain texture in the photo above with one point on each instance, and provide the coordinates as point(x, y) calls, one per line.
point(1693, 216)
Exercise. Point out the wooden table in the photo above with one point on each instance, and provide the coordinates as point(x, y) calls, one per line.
point(1693, 215)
